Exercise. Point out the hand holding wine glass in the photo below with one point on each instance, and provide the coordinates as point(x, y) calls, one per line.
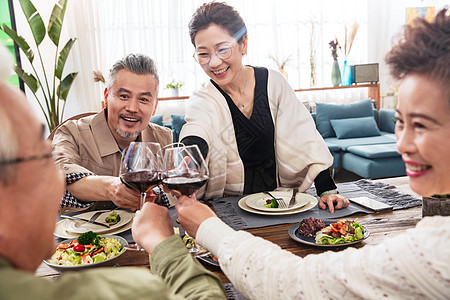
point(140, 168)
point(185, 170)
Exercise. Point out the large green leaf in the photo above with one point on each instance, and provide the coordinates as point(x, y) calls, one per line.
point(63, 57)
point(64, 86)
point(20, 41)
point(56, 21)
point(34, 20)
point(29, 79)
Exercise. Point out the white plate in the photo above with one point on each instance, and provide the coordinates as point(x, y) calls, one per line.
point(62, 233)
point(258, 200)
point(74, 226)
point(311, 203)
point(108, 262)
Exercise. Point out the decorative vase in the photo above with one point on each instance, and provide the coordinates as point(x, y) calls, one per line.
point(175, 92)
point(346, 78)
point(335, 74)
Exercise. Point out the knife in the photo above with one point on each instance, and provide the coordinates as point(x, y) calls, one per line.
point(86, 220)
point(292, 201)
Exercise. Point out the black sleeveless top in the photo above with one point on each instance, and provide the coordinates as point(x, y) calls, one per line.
point(255, 137)
point(255, 140)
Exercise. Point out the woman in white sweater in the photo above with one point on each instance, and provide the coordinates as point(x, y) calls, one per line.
point(414, 265)
point(252, 130)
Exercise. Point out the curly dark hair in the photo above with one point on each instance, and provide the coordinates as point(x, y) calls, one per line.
point(218, 13)
point(424, 49)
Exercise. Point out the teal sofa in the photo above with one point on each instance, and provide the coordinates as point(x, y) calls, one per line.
point(177, 122)
point(360, 138)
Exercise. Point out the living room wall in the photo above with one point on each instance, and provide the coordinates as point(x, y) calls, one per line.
point(385, 18)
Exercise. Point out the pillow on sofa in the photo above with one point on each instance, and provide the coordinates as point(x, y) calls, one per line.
point(177, 123)
point(355, 127)
point(157, 119)
point(326, 112)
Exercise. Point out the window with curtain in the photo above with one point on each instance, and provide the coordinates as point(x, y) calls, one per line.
point(297, 32)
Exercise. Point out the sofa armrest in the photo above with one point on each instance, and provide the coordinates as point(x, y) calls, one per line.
point(386, 122)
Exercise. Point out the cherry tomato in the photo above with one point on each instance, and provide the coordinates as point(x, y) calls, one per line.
point(78, 248)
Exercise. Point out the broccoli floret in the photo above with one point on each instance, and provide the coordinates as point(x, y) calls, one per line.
point(113, 218)
point(89, 237)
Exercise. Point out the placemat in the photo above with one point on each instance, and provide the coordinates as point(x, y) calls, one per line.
point(232, 293)
point(228, 210)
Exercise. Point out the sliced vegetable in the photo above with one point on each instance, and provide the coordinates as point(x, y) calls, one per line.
point(78, 248)
point(340, 232)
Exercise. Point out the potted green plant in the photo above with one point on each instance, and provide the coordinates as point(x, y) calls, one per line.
point(175, 87)
point(53, 88)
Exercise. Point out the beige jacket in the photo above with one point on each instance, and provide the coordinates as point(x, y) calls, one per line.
point(301, 154)
point(88, 146)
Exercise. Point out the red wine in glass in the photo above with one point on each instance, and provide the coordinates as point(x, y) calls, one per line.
point(141, 181)
point(140, 168)
point(185, 170)
point(185, 185)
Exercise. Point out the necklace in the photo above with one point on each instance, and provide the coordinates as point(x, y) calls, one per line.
point(242, 106)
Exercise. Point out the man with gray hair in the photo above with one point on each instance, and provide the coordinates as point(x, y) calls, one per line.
point(93, 145)
point(31, 187)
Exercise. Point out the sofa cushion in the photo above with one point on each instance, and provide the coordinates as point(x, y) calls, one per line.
point(372, 140)
point(177, 123)
point(387, 118)
point(332, 147)
point(326, 112)
point(355, 127)
point(373, 168)
point(157, 119)
point(375, 151)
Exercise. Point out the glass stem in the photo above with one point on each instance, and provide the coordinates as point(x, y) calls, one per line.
point(143, 196)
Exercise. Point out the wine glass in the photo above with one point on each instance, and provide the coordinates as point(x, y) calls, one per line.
point(140, 168)
point(185, 170)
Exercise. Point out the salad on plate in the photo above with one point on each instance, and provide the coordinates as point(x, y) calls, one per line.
point(340, 232)
point(89, 248)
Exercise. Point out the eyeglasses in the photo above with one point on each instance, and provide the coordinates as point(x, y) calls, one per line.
point(26, 158)
point(222, 52)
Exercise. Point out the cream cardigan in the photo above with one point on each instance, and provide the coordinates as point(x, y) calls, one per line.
point(414, 265)
point(301, 154)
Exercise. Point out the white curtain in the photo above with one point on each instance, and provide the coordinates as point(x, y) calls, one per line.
point(107, 30)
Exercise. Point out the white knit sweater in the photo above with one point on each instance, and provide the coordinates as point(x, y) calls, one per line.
point(301, 154)
point(414, 265)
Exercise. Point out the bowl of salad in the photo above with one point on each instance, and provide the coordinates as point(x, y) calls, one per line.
point(87, 251)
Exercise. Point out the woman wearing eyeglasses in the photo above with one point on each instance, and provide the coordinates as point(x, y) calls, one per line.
point(411, 265)
point(253, 131)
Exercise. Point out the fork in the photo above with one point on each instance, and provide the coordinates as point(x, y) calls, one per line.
point(292, 201)
point(280, 201)
point(97, 214)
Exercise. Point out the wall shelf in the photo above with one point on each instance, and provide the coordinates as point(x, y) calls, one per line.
point(373, 90)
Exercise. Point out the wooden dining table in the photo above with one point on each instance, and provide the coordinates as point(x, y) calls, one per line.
point(381, 225)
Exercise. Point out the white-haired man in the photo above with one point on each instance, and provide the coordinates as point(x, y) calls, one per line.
point(31, 187)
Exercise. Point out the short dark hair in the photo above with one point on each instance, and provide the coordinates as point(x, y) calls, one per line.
point(424, 49)
point(218, 13)
point(140, 64)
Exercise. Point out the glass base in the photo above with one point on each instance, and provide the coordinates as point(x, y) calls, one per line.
point(134, 247)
